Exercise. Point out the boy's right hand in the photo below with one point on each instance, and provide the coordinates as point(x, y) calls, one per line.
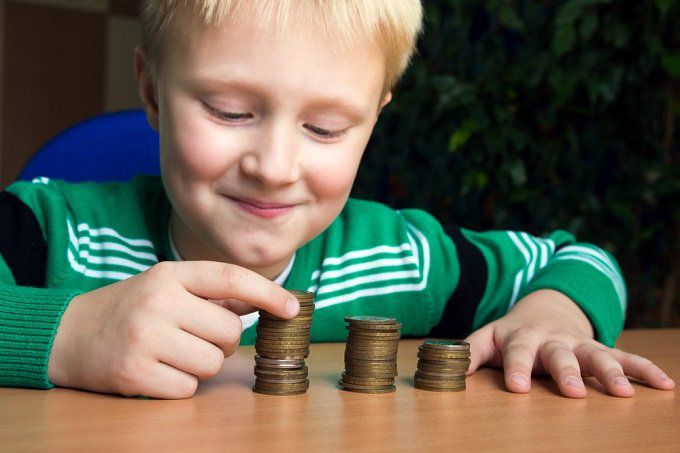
point(157, 333)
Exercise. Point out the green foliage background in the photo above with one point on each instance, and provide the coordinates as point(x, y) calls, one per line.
point(536, 115)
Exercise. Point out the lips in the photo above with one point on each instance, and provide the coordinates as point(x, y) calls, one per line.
point(263, 209)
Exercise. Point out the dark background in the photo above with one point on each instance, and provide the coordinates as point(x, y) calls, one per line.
point(529, 115)
point(537, 115)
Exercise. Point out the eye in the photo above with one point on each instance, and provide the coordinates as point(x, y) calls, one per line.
point(231, 117)
point(324, 133)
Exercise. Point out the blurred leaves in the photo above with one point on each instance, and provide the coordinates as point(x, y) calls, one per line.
point(548, 114)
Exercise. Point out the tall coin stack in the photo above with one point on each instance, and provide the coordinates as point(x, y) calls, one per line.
point(370, 354)
point(281, 348)
point(442, 365)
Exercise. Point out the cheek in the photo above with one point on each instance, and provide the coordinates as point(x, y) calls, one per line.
point(193, 148)
point(333, 176)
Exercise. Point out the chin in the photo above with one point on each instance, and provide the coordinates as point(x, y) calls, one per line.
point(259, 258)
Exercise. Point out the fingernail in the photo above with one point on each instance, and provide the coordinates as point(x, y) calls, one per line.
point(664, 377)
point(575, 382)
point(520, 379)
point(622, 381)
point(292, 307)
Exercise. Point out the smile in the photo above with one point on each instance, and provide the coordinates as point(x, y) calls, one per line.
point(263, 209)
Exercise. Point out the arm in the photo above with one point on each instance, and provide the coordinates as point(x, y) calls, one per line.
point(544, 300)
point(547, 332)
point(154, 334)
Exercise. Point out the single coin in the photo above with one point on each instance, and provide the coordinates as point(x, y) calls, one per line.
point(282, 371)
point(452, 368)
point(448, 345)
point(288, 363)
point(439, 384)
point(273, 378)
point(286, 355)
point(439, 376)
point(376, 335)
point(442, 359)
point(435, 389)
point(369, 320)
point(372, 343)
point(301, 294)
point(373, 327)
point(362, 361)
point(369, 375)
point(362, 380)
point(347, 387)
point(266, 336)
point(278, 393)
point(283, 387)
point(301, 344)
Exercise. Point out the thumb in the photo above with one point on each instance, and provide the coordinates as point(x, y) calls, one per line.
point(482, 348)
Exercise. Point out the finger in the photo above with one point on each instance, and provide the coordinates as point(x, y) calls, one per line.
point(601, 363)
point(643, 369)
point(213, 280)
point(235, 306)
point(559, 360)
point(210, 322)
point(519, 355)
point(159, 380)
point(190, 354)
point(482, 348)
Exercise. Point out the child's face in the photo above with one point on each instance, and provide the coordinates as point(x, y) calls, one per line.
point(261, 136)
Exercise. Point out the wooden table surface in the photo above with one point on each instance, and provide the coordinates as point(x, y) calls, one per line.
point(225, 415)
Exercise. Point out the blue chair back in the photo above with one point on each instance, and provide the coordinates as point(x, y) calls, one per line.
point(108, 147)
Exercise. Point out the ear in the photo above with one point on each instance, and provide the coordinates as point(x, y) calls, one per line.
point(147, 87)
point(386, 100)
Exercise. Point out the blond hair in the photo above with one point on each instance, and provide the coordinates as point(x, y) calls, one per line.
point(393, 25)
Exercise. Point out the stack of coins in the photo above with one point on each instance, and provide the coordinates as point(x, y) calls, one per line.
point(370, 354)
point(281, 348)
point(442, 365)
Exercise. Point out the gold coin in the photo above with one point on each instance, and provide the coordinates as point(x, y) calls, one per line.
point(369, 320)
point(374, 327)
point(435, 389)
point(446, 345)
point(268, 380)
point(278, 392)
point(439, 376)
point(283, 387)
point(367, 380)
point(452, 368)
point(351, 388)
point(278, 363)
point(286, 355)
point(281, 371)
point(439, 384)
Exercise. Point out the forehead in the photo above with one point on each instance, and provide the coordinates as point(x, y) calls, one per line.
point(258, 49)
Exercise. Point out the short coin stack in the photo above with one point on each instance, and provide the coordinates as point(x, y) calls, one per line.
point(370, 354)
point(281, 348)
point(442, 365)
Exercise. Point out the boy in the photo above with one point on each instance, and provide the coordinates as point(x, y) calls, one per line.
point(264, 109)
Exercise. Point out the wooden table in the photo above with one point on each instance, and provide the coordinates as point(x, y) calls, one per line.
point(226, 415)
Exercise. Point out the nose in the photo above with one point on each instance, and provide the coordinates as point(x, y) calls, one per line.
point(274, 156)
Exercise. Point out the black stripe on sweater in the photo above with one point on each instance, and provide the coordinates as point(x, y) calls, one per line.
point(22, 245)
point(460, 309)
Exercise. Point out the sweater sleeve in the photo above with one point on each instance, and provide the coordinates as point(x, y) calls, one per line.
point(498, 268)
point(29, 318)
point(29, 312)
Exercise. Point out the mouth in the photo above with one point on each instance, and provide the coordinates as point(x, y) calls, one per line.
point(263, 209)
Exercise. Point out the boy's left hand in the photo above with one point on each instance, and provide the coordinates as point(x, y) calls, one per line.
point(546, 332)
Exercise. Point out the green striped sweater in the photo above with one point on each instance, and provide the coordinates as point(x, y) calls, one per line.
point(59, 240)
